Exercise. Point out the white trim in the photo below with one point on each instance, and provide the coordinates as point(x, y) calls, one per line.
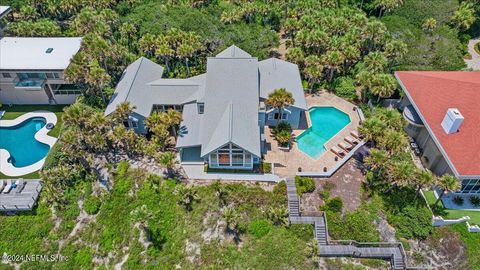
point(41, 136)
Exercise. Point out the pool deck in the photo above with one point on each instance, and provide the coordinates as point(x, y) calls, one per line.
point(287, 162)
point(41, 136)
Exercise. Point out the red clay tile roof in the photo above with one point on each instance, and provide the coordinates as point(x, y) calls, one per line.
point(433, 92)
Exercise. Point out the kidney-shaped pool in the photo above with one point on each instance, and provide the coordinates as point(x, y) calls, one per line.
point(326, 122)
point(20, 142)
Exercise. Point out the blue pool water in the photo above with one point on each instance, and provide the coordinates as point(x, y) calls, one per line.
point(326, 123)
point(20, 142)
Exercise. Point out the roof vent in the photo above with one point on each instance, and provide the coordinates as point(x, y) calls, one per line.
point(49, 50)
point(452, 121)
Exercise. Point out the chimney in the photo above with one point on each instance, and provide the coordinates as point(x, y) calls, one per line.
point(452, 121)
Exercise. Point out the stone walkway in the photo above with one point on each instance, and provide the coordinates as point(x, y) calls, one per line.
point(473, 63)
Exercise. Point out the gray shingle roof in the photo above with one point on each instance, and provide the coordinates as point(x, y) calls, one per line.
point(231, 104)
point(231, 90)
point(131, 86)
point(276, 73)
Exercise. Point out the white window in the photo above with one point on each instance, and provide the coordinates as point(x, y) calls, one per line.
point(6, 75)
point(201, 108)
point(276, 116)
point(133, 122)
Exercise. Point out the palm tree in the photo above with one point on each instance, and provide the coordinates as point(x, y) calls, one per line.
point(376, 160)
point(364, 79)
point(186, 196)
point(295, 55)
point(313, 70)
point(169, 160)
point(221, 192)
point(372, 128)
point(142, 215)
point(147, 44)
point(122, 112)
point(393, 141)
point(385, 6)
point(400, 171)
point(447, 183)
point(97, 78)
point(375, 62)
point(429, 25)
point(171, 118)
point(279, 99)
point(232, 218)
point(464, 16)
point(164, 51)
point(333, 60)
point(278, 215)
point(383, 85)
point(423, 178)
point(395, 50)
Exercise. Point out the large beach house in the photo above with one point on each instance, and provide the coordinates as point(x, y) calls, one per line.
point(223, 110)
point(443, 114)
point(31, 70)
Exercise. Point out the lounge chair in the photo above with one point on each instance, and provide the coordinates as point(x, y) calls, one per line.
point(345, 146)
point(20, 185)
point(2, 184)
point(8, 187)
point(1, 114)
point(355, 134)
point(351, 140)
point(337, 151)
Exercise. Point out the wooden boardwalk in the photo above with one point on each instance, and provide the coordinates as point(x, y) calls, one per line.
point(393, 252)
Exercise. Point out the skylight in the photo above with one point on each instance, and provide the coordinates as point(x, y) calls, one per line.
point(49, 50)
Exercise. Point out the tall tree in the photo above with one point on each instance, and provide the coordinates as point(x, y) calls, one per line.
point(279, 99)
point(446, 183)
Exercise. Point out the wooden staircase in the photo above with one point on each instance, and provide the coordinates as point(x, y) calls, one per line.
point(393, 252)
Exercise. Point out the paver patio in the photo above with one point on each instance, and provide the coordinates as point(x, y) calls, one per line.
point(286, 163)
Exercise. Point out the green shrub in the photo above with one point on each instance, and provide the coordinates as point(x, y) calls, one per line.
point(304, 184)
point(53, 157)
point(475, 200)
point(357, 225)
point(92, 205)
point(324, 194)
point(458, 200)
point(266, 167)
point(283, 137)
point(335, 205)
point(283, 126)
point(259, 227)
point(280, 188)
point(345, 87)
point(412, 222)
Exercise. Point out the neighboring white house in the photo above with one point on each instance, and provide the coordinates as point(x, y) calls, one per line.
point(31, 70)
point(442, 109)
point(223, 110)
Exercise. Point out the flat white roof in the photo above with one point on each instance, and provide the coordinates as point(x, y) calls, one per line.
point(4, 10)
point(25, 53)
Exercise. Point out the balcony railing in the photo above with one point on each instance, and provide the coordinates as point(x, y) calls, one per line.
point(29, 83)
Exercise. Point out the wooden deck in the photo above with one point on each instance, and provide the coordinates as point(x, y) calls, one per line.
point(392, 252)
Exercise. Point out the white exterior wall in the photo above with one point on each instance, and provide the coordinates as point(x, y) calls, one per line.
point(9, 94)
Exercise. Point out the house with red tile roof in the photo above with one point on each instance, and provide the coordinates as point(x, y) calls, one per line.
point(442, 109)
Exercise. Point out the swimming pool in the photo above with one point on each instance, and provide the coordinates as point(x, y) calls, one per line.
point(20, 142)
point(326, 122)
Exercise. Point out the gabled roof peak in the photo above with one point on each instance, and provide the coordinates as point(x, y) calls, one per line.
point(233, 52)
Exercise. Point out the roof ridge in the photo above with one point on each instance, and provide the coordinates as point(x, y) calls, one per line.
point(134, 77)
point(426, 74)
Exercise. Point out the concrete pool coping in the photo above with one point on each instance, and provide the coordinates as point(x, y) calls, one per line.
point(41, 136)
point(309, 125)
